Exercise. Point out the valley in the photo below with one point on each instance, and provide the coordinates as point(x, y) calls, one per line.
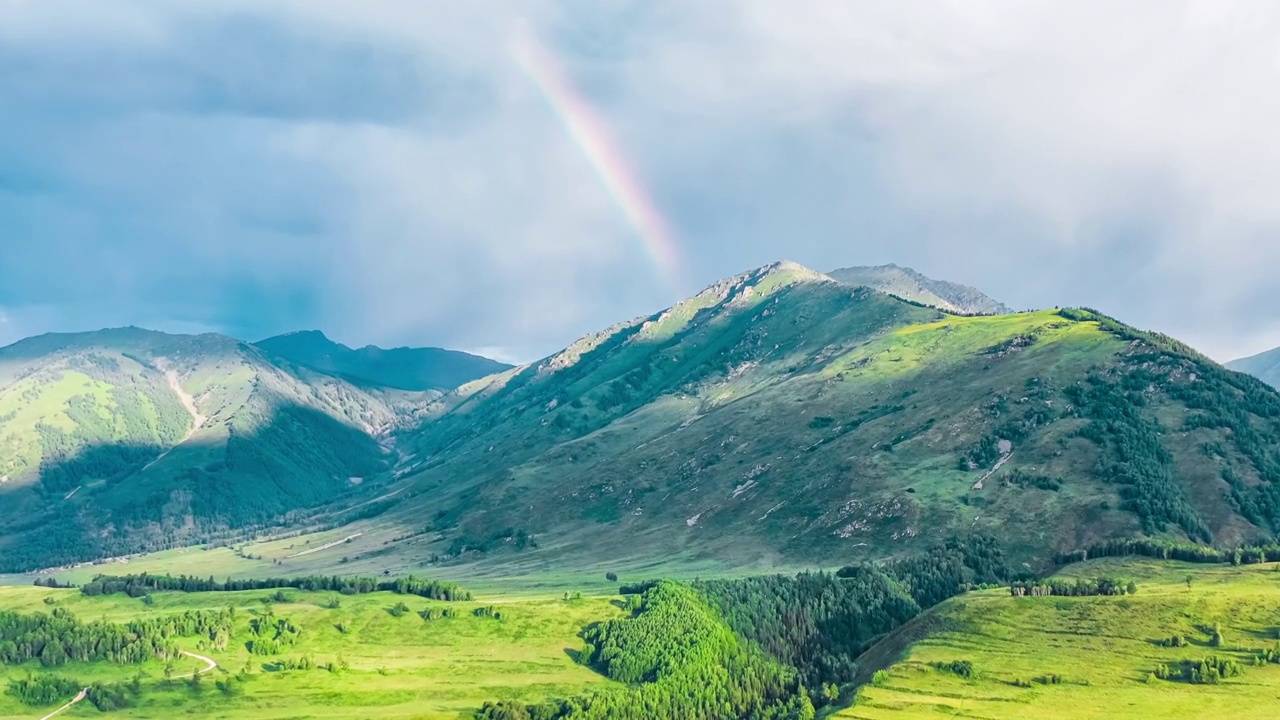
point(393, 654)
point(386, 664)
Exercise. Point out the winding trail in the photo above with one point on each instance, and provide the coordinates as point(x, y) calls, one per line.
point(188, 402)
point(210, 665)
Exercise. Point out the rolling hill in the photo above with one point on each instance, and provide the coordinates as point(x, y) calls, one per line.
point(400, 368)
point(1086, 657)
point(783, 418)
point(128, 439)
point(1264, 366)
point(911, 285)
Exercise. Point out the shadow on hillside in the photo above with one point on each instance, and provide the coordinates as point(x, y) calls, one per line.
point(116, 499)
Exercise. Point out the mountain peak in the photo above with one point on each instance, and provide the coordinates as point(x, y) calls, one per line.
point(909, 284)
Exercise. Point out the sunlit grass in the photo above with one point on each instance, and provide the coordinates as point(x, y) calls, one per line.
point(1104, 649)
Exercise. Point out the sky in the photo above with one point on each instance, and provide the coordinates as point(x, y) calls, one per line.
point(503, 177)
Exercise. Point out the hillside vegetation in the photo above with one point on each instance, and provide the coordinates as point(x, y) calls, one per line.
point(128, 440)
point(1191, 642)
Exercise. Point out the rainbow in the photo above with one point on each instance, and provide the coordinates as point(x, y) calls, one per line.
point(590, 133)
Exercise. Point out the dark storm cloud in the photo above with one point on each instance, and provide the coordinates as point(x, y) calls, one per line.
point(385, 172)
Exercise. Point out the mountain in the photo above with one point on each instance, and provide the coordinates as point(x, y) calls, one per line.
point(911, 285)
point(128, 439)
point(778, 418)
point(401, 368)
point(1264, 366)
point(783, 418)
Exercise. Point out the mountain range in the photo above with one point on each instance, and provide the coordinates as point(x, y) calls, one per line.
point(402, 368)
point(782, 416)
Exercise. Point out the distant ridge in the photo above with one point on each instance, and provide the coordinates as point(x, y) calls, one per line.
point(1264, 366)
point(402, 368)
point(911, 285)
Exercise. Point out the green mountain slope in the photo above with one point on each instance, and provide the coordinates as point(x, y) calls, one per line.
point(127, 439)
point(401, 368)
point(1264, 366)
point(911, 285)
point(781, 417)
point(1085, 657)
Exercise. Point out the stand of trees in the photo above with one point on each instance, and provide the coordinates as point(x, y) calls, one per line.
point(272, 634)
point(819, 623)
point(60, 637)
point(1209, 671)
point(143, 584)
point(1133, 455)
point(1080, 587)
point(681, 661)
point(41, 690)
point(1169, 550)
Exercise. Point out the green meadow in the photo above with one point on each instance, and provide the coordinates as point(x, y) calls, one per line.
point(388, 664)
point(1086, 657)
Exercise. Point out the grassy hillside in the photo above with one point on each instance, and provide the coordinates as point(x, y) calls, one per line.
point(400, 368)
point(127, 439)
point(1104, 651)
point(911, 285)
point(388, 664)
point(781, 418)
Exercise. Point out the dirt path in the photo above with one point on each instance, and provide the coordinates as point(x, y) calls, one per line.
point(80, 696)
point(188, 402)
point(210, 664)
point(999, 464)
point(326, 546)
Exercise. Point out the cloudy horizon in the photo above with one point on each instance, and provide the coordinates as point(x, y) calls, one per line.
point(399, 173)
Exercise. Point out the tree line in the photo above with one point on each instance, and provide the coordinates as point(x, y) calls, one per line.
point(144, 584)
point(1079, 587)
point(1171, 550)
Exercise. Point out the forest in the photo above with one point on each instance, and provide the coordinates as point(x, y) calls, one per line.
point(759, 647)
point(680, 661)
point(819, 623)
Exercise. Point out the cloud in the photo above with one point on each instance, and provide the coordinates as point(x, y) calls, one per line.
point(387, 173)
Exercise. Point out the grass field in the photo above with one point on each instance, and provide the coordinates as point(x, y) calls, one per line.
point(399, 667)
point(1104, 649)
